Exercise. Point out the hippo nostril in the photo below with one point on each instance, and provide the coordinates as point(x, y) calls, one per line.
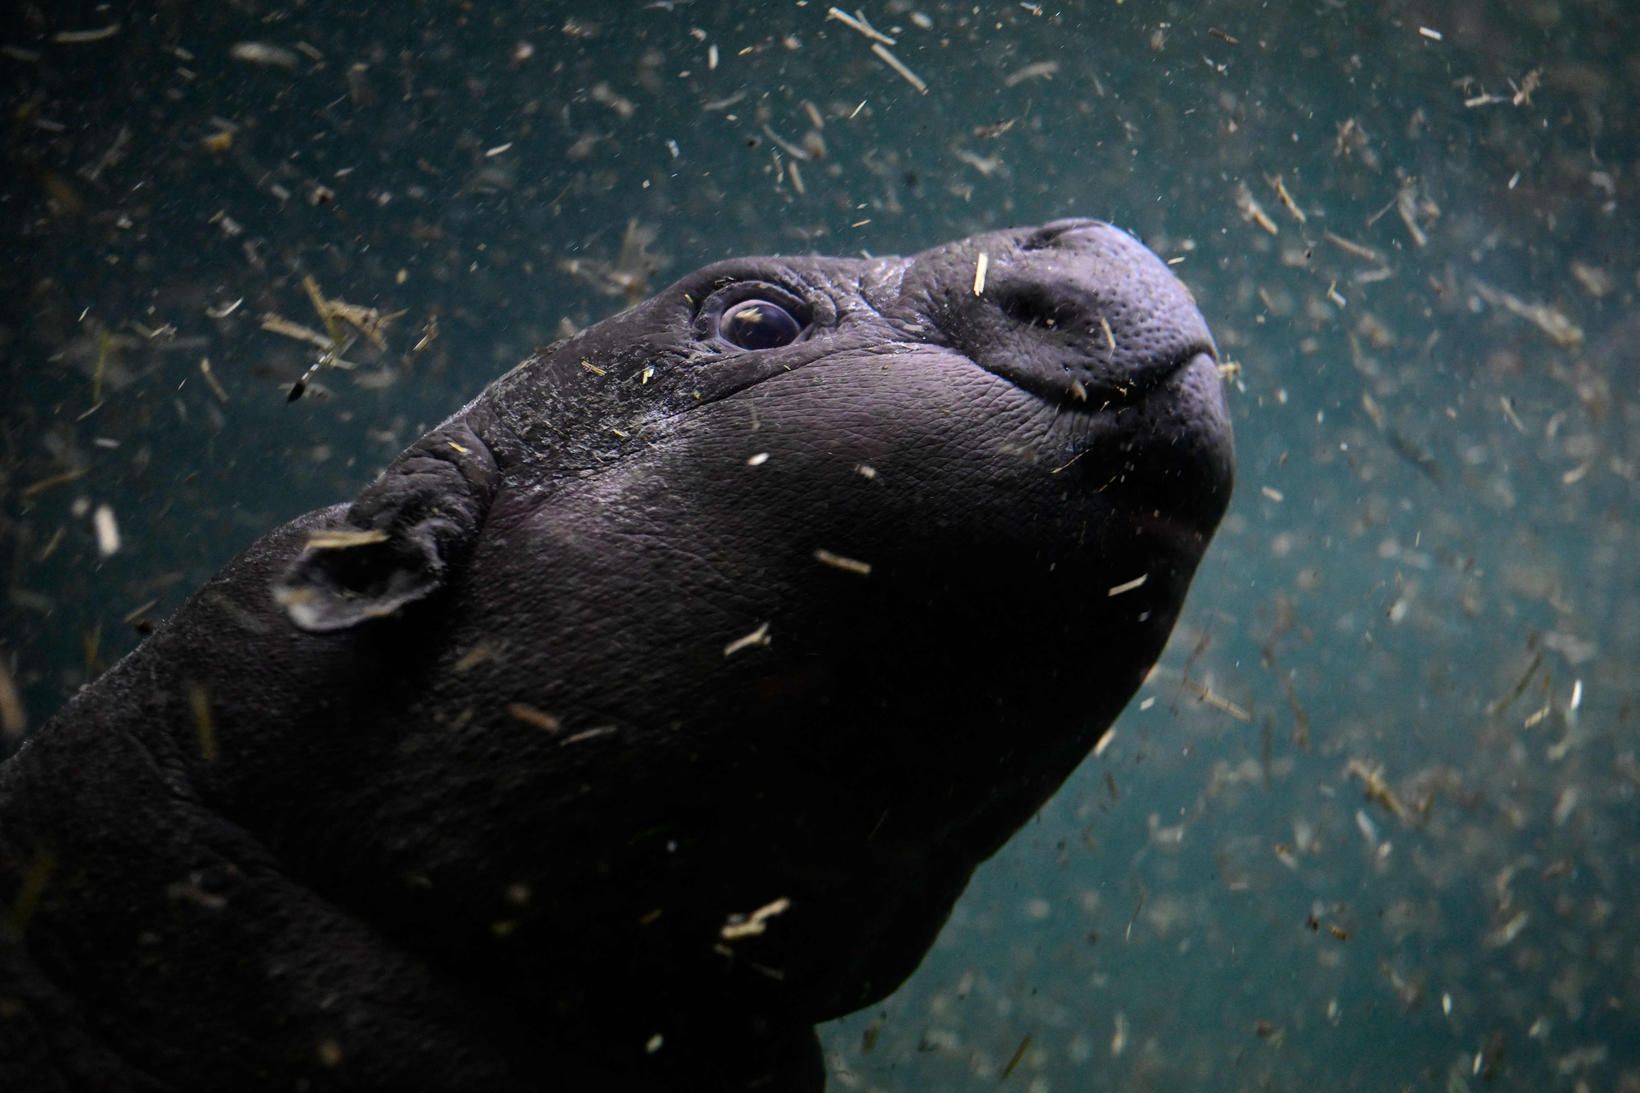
point(1036, 305)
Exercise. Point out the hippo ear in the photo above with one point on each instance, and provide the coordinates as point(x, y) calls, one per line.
point(402, 536)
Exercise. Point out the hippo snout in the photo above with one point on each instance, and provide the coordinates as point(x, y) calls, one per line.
point(1076, 311)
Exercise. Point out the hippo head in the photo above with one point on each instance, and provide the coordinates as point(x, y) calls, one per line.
point(661, 702)
point(822, 575)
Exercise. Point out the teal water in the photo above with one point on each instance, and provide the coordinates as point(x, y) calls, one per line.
point(1426, 587)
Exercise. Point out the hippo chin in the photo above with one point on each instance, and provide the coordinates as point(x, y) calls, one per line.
point(654, 707)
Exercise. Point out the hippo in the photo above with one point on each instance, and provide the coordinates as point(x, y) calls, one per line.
point(654, 707)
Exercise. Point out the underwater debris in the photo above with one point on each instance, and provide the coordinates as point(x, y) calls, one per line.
point(1119, 1033)
point(1373, 786)
point(1505, 933)
point(83, 37)
point(1553, 323)
point(1040, 70)
point(429, 332)
point(758, 637)
point(1218, 701)
point(1286, 199)
point(628, 275)
point(888, 58)
point(262, 53)
point(107, 529)
point(858, 22)
point(344, 538)
point(344, 323)
point(537, 719)
point(1352, 142)
point(1520, 94)
point(1349, 246)
point(211, 381)
point(52, 481)
point(1252, 211)
point(1013, 1060)
point(985, 165)
point(137, 617)
point(13, 717)
point(1128, 586)
point(199, 704)
point(475, 656)
point(838, 561)
point(1505, 700)
point(756, 923)
point(589, 734)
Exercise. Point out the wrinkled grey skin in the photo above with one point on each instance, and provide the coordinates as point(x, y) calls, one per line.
point(477, 800)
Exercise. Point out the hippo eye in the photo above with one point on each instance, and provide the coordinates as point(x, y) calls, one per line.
point(752, 314)
point(758, 324)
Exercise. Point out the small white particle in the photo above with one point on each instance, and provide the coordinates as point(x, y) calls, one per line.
point(654, 1044)
point(760, 636)
point(1148, 703)
point(1368, 829)
point(757, 460)
point(1431, 34)
point(108, 532)
point(865, 470)
point(979, 273)
point(1565, 805)
point(498, 149)
point(1128, 586)
point(79, 37)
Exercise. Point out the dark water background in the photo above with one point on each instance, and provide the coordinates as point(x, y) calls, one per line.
point(1429, 581)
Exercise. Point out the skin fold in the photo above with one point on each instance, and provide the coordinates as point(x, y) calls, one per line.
point(653, 708)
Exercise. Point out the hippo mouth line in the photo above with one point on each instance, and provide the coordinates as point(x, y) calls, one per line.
point(1141, 441)
point(1066, 391)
